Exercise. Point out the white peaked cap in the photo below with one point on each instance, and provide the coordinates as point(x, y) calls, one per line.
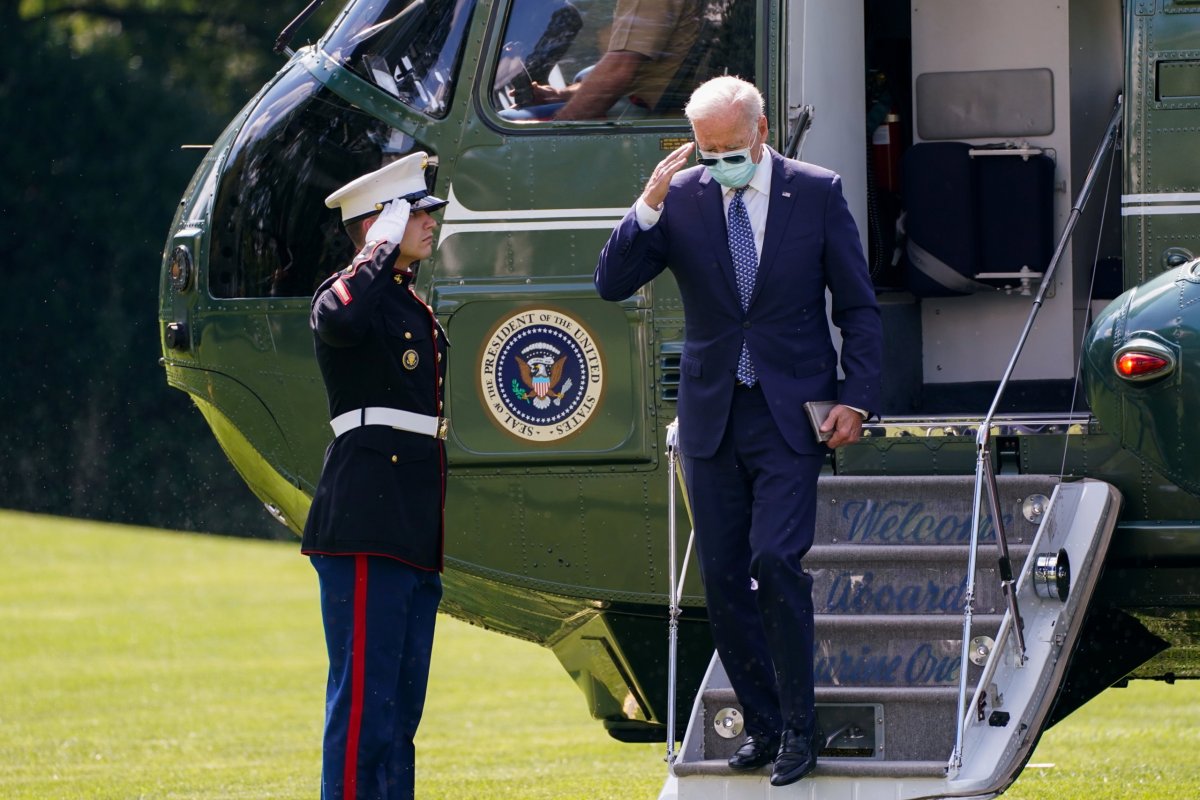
point(404, 178)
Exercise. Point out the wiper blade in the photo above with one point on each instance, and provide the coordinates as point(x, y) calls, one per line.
point(285, 36)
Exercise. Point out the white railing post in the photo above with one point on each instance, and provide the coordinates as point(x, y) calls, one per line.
point(673, 600)
point(675, 472)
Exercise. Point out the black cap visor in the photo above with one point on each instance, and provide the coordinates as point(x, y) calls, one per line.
point(424, 201)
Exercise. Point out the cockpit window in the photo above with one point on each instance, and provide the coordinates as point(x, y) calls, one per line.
point(410, 49)
point(617, 59)
point(272, 235)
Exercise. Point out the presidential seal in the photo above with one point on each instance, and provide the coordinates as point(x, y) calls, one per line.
point(541, 375)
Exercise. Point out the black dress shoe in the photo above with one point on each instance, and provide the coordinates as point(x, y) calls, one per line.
point(797, 757)
point(757, 751)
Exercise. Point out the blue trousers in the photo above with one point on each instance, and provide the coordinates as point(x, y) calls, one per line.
point(754, 507)
point(379, 618)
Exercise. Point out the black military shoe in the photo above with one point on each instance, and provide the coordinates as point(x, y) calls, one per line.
point(797, 757)
point(757, 751)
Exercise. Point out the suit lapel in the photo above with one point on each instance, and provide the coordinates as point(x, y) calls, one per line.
point(708, 201)
point(780, 205)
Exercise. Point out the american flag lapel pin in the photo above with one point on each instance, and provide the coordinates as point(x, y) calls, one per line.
point(787, 194)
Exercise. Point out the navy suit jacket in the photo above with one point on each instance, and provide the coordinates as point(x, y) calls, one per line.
point(811, 244)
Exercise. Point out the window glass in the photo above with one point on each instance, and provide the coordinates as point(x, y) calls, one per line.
point(272, 235)
point(617, 59)
point(409, 48)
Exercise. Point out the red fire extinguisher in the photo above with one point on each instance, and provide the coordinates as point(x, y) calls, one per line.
point(885, 153)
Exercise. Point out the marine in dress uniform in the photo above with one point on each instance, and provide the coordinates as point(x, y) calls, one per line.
point(754, 241)
point(374, 532)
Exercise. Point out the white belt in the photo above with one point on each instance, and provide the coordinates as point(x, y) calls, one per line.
point(393, 418)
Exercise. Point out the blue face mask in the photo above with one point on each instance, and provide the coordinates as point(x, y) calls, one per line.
point(732, 170)
point(733, 176)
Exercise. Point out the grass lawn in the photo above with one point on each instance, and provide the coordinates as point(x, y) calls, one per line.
point(148, 664)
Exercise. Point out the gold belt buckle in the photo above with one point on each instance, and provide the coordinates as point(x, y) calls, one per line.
point(443, 427)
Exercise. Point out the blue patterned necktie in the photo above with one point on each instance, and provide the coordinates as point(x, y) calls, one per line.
point(745, 265)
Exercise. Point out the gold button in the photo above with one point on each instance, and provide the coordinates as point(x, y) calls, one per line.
point(439, 381)
point(395, 459)
point(439, 358)
point(407, 335)
point(440, 404)
point(435, 333)
point(398, 278)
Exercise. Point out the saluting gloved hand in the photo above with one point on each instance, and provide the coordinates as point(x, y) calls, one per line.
point(390, 224)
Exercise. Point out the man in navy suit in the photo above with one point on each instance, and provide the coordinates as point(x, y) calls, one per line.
point(757, 348)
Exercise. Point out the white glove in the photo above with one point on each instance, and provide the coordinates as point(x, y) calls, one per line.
point(390, 224)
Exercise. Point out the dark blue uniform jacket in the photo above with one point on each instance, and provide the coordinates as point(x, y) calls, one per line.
point(382, 490)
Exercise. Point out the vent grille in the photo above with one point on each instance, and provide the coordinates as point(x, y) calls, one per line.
point(668, 371)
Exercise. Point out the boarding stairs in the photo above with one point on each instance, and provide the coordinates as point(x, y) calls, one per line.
point(936, 667)
point(889, 590)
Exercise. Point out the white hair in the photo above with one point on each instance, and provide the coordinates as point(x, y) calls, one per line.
point(719, 96)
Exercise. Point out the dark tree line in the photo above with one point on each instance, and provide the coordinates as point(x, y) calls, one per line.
point(96, 99)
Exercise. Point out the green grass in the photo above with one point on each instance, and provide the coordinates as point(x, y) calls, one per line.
point(138, 663)
point(1139, 743)
point(148, 664)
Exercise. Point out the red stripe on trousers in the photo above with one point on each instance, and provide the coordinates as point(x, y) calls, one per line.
point(357, 671)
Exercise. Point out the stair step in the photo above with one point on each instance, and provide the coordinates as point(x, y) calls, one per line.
point(893, 650)
point(900, 724)
point(879, 696)
point(919, 511)
point(857, 694)
point(873, 579)
point(910, 554)
point(932, 624)
point(826, 767)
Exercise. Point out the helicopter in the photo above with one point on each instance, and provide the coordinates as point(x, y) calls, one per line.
point(1023, 178)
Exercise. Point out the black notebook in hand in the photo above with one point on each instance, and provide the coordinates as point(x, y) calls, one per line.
point(818, 411)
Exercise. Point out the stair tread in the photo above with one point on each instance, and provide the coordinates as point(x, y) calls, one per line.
point(895, 621)
point(900, 512)
point(860, 694)
point(906, 552)
point(826, 768)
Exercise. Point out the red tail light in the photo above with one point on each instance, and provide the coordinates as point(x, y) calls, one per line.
point(1143, 360)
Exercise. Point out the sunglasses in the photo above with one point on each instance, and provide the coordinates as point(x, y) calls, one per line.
point(732, 157)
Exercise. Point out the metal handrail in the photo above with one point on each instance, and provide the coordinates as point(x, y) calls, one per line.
point(984, 475)
point(674, 472)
